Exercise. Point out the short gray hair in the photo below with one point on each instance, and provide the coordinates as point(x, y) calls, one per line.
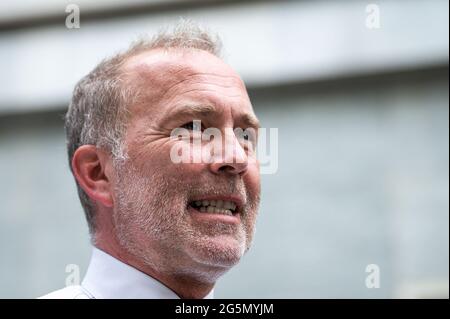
point(97, 113)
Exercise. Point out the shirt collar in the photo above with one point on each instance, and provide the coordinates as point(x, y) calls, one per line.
point(110, 278)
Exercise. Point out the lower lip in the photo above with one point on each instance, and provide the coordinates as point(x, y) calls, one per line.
point(234, 219)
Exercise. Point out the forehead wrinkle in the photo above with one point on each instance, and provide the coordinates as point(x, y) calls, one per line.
point(211, 93)
point(152, 72)
point(202, 78)
point(166, 78)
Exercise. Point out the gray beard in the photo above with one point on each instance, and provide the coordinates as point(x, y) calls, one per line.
point(150, 217)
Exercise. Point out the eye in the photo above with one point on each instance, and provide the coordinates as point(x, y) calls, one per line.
point(194, 125)
point(248, 134)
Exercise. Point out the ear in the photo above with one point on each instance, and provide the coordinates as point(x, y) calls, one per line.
point(89, 165)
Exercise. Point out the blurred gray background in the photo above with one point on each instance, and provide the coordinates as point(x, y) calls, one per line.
point(363, 120)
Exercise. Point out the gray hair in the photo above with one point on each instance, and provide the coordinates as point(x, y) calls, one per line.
point(97, 113)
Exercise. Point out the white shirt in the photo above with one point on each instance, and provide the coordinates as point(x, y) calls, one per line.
point(109, 278)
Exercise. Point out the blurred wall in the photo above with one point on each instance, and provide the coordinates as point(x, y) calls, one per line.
point(363, 128)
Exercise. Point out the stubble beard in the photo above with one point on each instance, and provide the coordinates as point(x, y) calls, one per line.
point(152, 223)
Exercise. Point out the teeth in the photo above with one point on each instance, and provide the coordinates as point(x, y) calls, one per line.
point(214, 210)
point(221, 211)
point(228, 212)
point(216, 206)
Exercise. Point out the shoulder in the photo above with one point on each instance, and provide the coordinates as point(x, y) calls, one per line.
point(70, 292)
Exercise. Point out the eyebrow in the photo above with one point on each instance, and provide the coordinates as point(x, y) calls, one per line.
point(206, 110)
point(251, 121)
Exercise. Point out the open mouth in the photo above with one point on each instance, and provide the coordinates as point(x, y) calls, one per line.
point(216, 206)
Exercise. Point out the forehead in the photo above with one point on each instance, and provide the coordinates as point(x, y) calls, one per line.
point(166, 74)
point(171, 66)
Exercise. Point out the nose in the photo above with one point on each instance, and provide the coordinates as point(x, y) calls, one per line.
point(232, 159)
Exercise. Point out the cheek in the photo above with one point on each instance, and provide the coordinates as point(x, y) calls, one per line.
point(160, 163)
point(253, 188)
point(150, 157)
point(158, 153)
point(252, 180)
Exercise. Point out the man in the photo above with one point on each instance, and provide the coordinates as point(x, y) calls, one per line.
point(161, 228)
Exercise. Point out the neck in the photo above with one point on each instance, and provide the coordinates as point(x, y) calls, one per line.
point(186, 286)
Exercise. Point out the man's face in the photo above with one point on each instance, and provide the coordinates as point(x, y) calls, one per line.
point(157, 203)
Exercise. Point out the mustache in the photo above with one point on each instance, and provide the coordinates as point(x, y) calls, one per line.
point(216, 188)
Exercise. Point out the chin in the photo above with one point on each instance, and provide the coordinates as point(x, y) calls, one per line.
point(223, 251)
